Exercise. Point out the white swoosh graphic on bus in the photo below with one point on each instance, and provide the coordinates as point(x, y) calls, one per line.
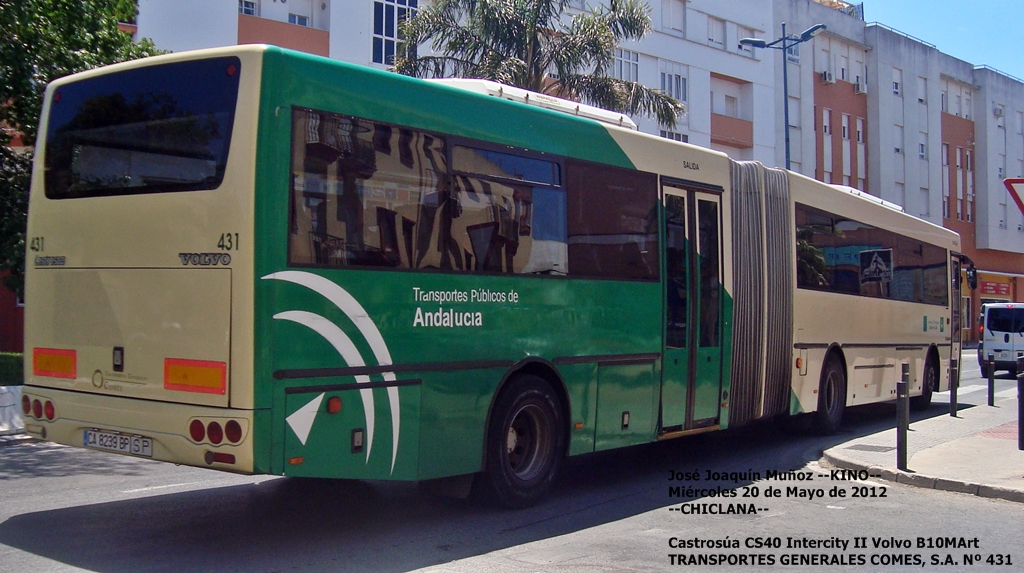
point(349, 353)
point(358, 315)
point(301, 420)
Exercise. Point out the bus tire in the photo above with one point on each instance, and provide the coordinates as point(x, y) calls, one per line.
point(831, 396)
point(525, 443)
point(931, 382)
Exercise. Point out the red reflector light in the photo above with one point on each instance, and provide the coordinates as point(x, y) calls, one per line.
point(49, 410)
point(224, 458)
point(215, 432)
point(54, 362)
point(201, 376)
point(233, 431)
point(37, 409)
point(197, 430)
point(333, 405)
point(26, 405)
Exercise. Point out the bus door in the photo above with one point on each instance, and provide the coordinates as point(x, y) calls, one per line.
point(692, 375)
point(955, 311)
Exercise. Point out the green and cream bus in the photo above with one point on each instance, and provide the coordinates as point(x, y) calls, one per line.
point(262, 261)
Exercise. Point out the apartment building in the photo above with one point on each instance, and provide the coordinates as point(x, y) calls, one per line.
point(869, 107)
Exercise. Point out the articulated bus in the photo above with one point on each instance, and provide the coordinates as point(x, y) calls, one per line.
point(262, 261)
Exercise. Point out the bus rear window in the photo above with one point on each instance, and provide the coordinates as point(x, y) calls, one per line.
point(148, 130)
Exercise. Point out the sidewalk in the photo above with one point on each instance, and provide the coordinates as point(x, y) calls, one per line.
point(974, 453)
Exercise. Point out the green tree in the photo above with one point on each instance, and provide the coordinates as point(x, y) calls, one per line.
point(43, 40)
point(529, 44)
point(15, 172)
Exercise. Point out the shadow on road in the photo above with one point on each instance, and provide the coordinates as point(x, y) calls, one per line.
point(292, 524)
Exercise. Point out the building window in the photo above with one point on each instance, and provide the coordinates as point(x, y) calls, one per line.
point(897, 81)
point(626, 66)
point(716, 32)
point(846, 126)
point(921, 150)
point(674, 136)
point(732, 107)
point(673, 85)
point(247, 7)
point(298, 20)
point(826, 121)
point(860, 130)
point(746, 33)
point(674, 15)
point(793, 53)
point(387, 16)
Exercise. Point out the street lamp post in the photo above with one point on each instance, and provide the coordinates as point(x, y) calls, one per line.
point(785, 43)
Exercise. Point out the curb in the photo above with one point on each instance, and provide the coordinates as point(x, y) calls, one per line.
point(924, 481)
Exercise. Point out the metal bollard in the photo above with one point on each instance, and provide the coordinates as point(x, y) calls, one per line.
point(1020, 403)
point(954, 385)
point(902, 417)
point(991, 380)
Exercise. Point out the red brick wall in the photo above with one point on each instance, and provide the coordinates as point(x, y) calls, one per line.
point(12, 321)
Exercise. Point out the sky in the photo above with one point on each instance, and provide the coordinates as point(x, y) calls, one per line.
point(976, 31)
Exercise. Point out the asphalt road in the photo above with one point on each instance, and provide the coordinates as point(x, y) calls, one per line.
point(65, 509)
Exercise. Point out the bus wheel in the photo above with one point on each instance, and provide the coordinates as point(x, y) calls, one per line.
point(525, 443)
point(831, 396)
point(931, 382)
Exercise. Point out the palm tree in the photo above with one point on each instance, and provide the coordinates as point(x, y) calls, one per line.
point(527, 44)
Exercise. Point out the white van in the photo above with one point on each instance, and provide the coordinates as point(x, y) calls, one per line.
point(1002, 336)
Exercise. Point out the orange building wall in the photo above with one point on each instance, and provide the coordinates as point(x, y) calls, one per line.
point(732, 131)
point(959, 132)
point(256, 30)
point(841, 98)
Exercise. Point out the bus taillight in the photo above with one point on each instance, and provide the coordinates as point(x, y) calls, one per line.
point(37, 409)
point(26, 404)
point(197, 430)
point(49, 410)
point(215, 433)
point(233, 431)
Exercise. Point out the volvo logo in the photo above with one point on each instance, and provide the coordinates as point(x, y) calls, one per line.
point(204, 259)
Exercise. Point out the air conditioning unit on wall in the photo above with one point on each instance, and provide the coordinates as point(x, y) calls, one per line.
point(828, 77)
point(860, 87)
point(998, 112)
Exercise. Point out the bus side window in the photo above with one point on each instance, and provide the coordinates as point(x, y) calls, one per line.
point(613, 224)
point(368, 194)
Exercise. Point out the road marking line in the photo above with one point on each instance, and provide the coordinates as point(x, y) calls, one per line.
point(160, 487)
point(968, 389)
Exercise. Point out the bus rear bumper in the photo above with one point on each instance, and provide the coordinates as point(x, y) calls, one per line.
point(142, 428)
